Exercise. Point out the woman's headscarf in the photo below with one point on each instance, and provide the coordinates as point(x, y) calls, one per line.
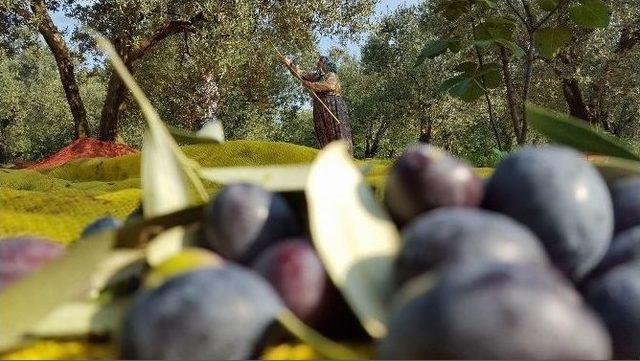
point(331, 66)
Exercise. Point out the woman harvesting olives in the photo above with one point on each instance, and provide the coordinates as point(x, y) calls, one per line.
point(330, 118)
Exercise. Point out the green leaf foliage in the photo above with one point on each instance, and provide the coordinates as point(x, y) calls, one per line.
point(547, 5)
point(489, 4)
point(467, 90)
point(453, 9)
point(471, 85)
point(495, 28)
point(183, 136)
point(278, 178)
point(590, 13)
point(449, 83)
point(466, 67)
point(550, 41)
point(492, 76)
point(612, 168)
point(564, 129)
point(353, 235)
point(438, 47)
point(516, 51)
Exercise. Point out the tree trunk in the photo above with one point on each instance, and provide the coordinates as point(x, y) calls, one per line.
point(594, 111)
point(111, 108)
point(116, 91)
point(511, 102)
point(426, 127)
point(58, 47)
point(575, 100)
point(492, 119)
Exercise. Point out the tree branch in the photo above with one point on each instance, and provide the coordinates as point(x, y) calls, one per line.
point(164, 31)
point(515, 11)
point(546, 17)
point(24, 13)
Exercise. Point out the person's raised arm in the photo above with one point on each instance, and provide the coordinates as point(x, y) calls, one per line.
point(293, 68)
point(329, 84)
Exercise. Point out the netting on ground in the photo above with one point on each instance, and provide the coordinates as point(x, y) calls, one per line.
point(59, 202)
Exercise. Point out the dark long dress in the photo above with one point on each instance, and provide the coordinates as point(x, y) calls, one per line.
point(326, 127)
point(327, 87)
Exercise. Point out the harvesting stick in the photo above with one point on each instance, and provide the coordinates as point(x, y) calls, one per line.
point(299, 77)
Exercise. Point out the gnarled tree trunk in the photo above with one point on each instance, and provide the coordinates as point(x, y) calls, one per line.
point(58, 47)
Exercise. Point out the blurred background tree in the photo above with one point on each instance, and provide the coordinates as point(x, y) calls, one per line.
point(459, 98)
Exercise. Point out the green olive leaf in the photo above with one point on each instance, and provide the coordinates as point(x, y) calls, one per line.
point(590, 13)
point(113, 262)
point(211, 133)
point(169, 178)
point(354, 237)
point(167, 174)
point(138, 234)
point(165, 245)
point(551, 40)
point(81, 318)
point(26, 302)
point(165, 187)
point(277, 178)
point(613, 168)
point(564, 129)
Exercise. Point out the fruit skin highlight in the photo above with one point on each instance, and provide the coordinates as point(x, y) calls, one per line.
point(20, 256)
point(208, 314)
point(244, 219)
point(455, 235)
point(496, 311)
point(424, 178)
point(561, 198)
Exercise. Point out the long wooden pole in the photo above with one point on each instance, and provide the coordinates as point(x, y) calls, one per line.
point(299, 77)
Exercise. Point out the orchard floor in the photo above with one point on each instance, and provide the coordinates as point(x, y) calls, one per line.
point(57, 203)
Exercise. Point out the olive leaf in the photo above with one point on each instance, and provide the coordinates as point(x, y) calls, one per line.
point(353, 235)
point(169, 178)
point(322, 345)
point(81, 318)
point(167, 174)
point(438, 47)
point(453, 9)
point(165, 245)
point(495, 28)
point(165, 188)
point(211, 133)
point(138, 234)
point(550, 41)
point(113, 262)
point(547, 5)
point(590, 13)
point(280, 178)
point(612, 168)
point(26, 302)
point(564, 129)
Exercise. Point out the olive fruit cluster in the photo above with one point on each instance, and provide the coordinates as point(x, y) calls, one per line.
point(539, 261)
point(544, 264)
